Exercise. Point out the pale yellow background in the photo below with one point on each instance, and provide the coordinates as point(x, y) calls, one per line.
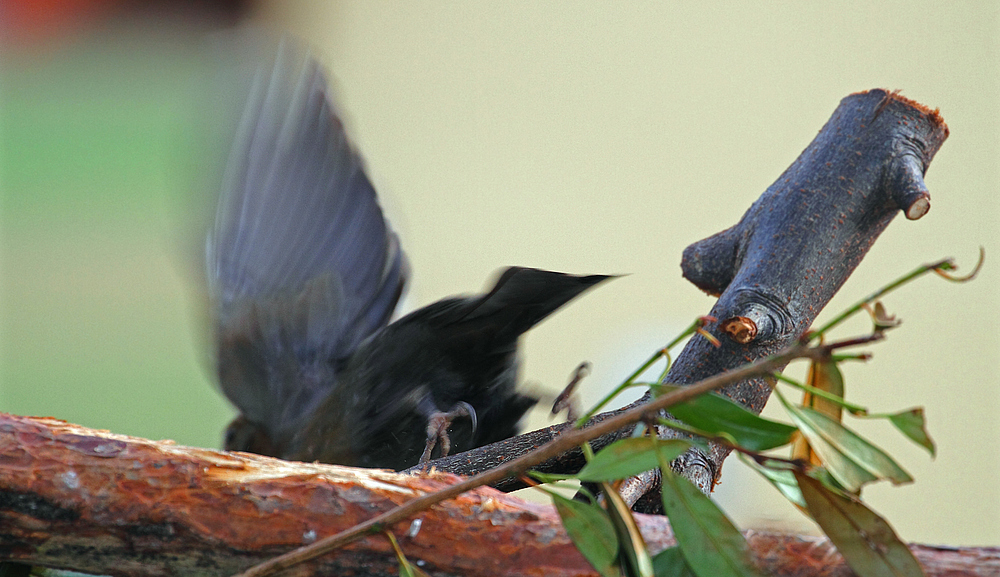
point(605, 137)
point(588, 138)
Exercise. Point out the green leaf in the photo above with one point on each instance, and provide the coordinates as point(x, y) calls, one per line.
point(406, 569)
point(629, 457)
point(851, 460)
point(591, 530)
point(718, 415)
point(550, 477)
point(630, 541)
point(822, 474)
point(670, 563)
point(911, 423)
point(712, 546)
point(782, 479)
point(867, 542)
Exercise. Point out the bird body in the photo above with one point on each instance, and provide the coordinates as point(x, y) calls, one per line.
point(457, 350)
point(304, 274)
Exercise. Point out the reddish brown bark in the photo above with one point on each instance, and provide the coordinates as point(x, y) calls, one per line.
point(92, 501)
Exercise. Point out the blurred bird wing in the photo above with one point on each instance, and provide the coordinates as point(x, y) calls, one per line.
point(300, 259)
point(296, 205)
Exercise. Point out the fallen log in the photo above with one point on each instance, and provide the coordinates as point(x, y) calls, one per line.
point(87, 500)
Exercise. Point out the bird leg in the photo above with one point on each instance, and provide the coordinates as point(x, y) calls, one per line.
point(566, 399)
point(437, 428)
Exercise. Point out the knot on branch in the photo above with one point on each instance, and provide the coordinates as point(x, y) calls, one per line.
point(756, 316)
point(740, 329)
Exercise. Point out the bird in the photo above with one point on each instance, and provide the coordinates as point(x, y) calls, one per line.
point(304, 275)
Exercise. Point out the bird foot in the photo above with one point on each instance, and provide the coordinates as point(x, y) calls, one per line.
point(437, 428)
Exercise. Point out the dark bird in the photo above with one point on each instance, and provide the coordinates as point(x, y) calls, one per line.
point(304, 274)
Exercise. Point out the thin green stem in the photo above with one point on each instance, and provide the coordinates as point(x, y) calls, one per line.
point(618, 390)
point(854, 357)
point(946, 264)
point(666, 368)
point(851, 408)
point(721, 438)
point(630, 381)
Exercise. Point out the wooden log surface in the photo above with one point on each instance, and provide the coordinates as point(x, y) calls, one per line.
point(92, 501)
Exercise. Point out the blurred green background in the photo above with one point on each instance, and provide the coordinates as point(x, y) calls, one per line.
point(576, 136)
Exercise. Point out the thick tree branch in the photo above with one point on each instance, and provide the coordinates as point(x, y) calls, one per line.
point(92, 501)
point(779, 266)
point(793, 249)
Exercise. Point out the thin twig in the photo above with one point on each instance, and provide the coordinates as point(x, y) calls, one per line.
point(695, 327)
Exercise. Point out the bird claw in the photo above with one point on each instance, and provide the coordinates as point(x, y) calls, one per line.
point(437, 428)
